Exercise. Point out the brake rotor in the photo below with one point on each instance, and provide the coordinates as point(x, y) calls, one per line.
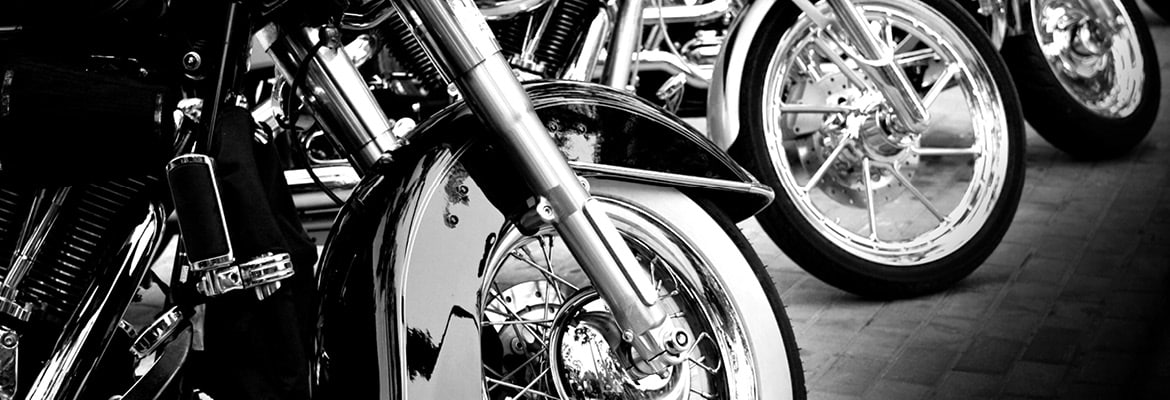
point(843, 181)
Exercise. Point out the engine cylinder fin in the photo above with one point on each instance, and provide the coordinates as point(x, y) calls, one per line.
point(96, 219)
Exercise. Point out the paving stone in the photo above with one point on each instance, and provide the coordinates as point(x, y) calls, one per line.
point(1044, 270)
point(1012, 324)
point(1054, 345)
point(968, 304)
point(1010, 254)
point(959, 384)
point(1083, 391)
point(1108, 368)
point(1085, 288)
point(885, 389)
point(1134, 305)
point(1029, 297)
point(921, 366)
point(989, 355)
point(1034, 379)
point(851, 375)
point(949, 333)
point(1073, 314)
point(1054, 245)
point(1121, 336)
point(1117, 240)
point(878, 342)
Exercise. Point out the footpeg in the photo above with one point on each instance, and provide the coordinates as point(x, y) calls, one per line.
point(263, 274)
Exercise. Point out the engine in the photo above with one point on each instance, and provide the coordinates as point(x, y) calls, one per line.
point(538, 37)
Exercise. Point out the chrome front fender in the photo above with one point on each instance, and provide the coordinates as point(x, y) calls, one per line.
point(403, 265)
point(727, 81)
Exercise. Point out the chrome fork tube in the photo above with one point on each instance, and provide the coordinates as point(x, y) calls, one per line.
point(336, 93)
point(623, 44)
point(83, 339)
point(456, 35)
point(911, 115)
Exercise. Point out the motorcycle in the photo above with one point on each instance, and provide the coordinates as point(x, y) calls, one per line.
point(1087, 70)
point(824, 124)
point(618, 274)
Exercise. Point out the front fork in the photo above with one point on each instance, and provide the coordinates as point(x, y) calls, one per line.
point(877, 61)
point(458, 38)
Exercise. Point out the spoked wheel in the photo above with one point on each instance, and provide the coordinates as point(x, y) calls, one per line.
point(869, 210)
point(1088, 74)
point(548, 335)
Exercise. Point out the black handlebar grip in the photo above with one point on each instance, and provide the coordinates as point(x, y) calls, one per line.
point(199, 208)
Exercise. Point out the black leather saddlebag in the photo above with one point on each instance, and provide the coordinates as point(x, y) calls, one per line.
point(67, 122)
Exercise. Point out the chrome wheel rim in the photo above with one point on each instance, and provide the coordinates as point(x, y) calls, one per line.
point(926, 196)
point(1093, 50)
point(534, 291)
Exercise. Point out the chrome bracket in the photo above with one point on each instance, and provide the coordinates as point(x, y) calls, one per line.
point(262, 273)
point(9, 356)
point(158, 333)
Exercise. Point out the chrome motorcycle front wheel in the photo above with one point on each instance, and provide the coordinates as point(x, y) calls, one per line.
point(868, 210)
point(548, 335)
point(1088, 74)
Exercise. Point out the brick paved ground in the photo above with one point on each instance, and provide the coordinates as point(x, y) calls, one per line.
point(1072, 305)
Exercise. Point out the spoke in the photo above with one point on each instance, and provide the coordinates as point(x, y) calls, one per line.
point(942, 151)
point(865, 170)
point(939, 84)
point(513, 314)
point(506, 323)
point(519, 368)
point(917, 194)
point(534, 380)
point(816, 109)
point(825, 166)
point(915, 56)
point(888, 32)
point(549, 274)
point(850, 74)
point(522, 388)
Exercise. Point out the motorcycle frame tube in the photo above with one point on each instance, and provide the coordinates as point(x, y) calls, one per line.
point(389, 266)
point(336, 93)
point(623, 44)
point(496, 97)
point(82, 344)
point(710, 11)
point(584, 62)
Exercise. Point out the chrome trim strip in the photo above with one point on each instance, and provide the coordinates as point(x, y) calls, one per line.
point(675, 180)
point(83, 339)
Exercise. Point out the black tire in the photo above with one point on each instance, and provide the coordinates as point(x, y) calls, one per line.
point(1160, 7)
point(832, 262)
point(1063, 120)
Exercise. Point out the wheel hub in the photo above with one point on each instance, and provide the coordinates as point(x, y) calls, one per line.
point(867, 137)
point(1093, 51)
point(589, 357)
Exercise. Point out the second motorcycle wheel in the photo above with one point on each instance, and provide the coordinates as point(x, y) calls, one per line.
point(875, 212)
point(1088, 74)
